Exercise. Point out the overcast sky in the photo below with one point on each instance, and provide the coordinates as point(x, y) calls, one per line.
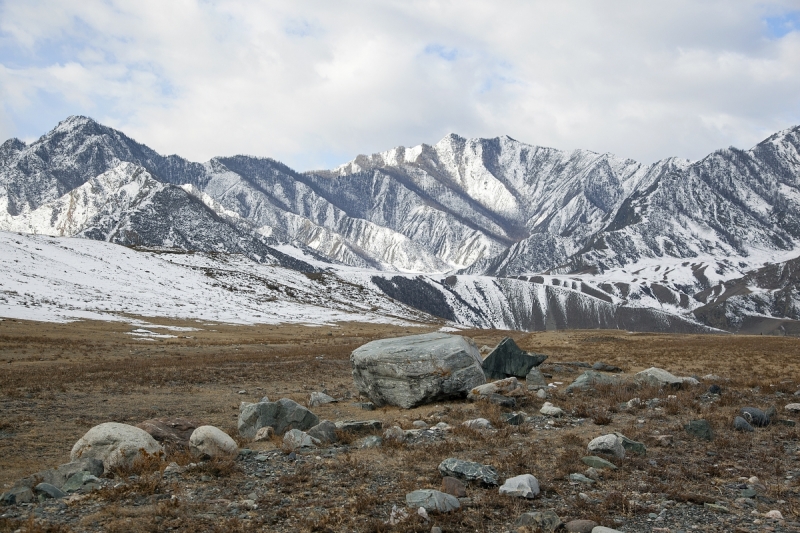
point(314, 83)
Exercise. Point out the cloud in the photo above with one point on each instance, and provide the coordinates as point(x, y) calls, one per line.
point(314, 83)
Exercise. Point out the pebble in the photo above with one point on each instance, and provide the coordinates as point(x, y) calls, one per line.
point(740, 424)
point(598, 462)
point(580, 526)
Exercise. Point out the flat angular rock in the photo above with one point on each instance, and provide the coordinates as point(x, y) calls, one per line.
point(210, 441)
point(513, 419)
point(359, 427)
point(507, 360)
point(320, 398)
point(49, 491)
point(523, 486)
point(534, 380)
point(740, 424)
point(548, 409)
point(469, 471)
point(78, 480)
point(282, 415)
point(115, 445)
point(658, 376)
point(631, 445)
point(598, 462)
point(700, 429)
point(454, 487)
point(547, 521)
point(264, 434)
point(432, 500)
point(603, 367)
point(294, 439)
point(610, 444)
point(418, 369)
point(170, 430)
point(324, 432)
point(502, 386)
point(589, 379)
point(580, 478)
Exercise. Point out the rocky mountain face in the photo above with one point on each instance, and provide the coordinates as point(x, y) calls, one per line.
point(605, 230)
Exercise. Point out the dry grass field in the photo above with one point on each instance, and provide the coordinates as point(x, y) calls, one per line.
point(59, 380)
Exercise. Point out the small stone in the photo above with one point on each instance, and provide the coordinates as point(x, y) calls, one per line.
point(513, 419)
point(359, 426)
point(603, 367)
point(535, 380)
point(320, 398)
point(740, 424)
point(50, 491)
point(598, 462)
point(773, 514)
point(610, 444)
point(419, 424)
point(454, 487)
point(468, 471)
point(264, 434)
point(715, 389)
point(602, 529)
point(592, 473)
point(580, 478)
point(422, 513)
point(793, 407)
point(524, 486)
point(580, 526)
point(373, 441)
point(700, 429)
point(756, 417)
point(78, 480)
point(716, 507)
point(366, 406)
point(547, 521)
point(541, 394)
point(432, 500)
point(502, 386)
point(664, 440)
point(632, 446)
point(477, 423)
point(548, 409)
point(749, 493)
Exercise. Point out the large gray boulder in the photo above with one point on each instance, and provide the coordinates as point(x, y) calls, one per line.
point(507, 360)
point(282, 415)
point(418, 369)
point(115, 445)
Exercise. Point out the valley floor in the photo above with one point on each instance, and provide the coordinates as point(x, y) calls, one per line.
point(58, 380)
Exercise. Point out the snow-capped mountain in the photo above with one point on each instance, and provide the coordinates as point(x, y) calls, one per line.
point(613, 233)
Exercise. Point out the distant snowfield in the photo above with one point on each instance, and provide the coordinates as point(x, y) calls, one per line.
point(63, 279)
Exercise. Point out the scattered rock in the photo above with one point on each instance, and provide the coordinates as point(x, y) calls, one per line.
point(755, 417)
point(632, 446)
point(49, 491)
point(603, 367)
point(324, 432)
point(502, 401)
point(366, 406)
point(468, 471)
point(212, 442)
point(320, 398)
point(664, 440)
point(523, 486)
point(774, 514)
point(793, 407)
point(454, 487)
point(592, 473)
point(294, 440)
point(541, 394)
point(115, 445)
point(283, 415)
point(502, 386)
point(172, 430)
point(373, 441)
point(18, 495)
point(507, 360)
point(359, 427)
point(700, 429)
point(535, 380)
point(590, 378)
point(716, 507)
point(419, 424)
point(580, 478)
point(264, 434)
point(78, 480)
point(547, 521)
point(580, 526)
point(598, 462)
point(548, 409)
point(602, 529)
point(477, 423)
point(715, 389)
point(610, 444)
point(513, 419)
point(741, 424)
point(410, 371)
point(432, 500)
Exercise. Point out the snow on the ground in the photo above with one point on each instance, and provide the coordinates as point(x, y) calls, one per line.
point(61, 279)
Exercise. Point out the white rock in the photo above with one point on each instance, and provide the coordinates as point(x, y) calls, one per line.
point(548, 409)
point(213, 442)
point(501, 386)
point(394, 433)
point(541, 394)
point(264, 433)
point(607, 444)
point(114, 444)
point(774, 514)
point(524, 486)
point(659, 376)
point(477, 423)
point(601, 529)
point(320, 398)
point(793, 407)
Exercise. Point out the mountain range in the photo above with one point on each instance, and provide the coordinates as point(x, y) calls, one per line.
point(480, 232)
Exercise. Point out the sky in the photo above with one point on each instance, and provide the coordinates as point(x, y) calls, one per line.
point(315, 83)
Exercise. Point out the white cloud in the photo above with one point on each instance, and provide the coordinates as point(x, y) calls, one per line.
point(314, 83)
